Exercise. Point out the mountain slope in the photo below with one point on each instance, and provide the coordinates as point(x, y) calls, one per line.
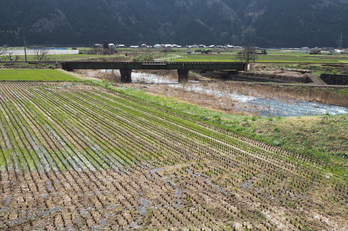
point(262, 22)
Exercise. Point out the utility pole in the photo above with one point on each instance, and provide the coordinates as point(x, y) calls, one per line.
point(25, 53)
point(254, 48)
point(25, 47)
point(340, 43)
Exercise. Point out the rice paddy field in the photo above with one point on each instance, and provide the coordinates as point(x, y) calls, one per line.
point(273, 56)
point(35, 75)
point(76, 156)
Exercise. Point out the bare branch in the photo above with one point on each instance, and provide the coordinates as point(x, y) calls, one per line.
point(247, 55)
point(3, 54)
point(40, 53)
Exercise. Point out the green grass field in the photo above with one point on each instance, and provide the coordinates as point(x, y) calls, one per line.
point(180, 55)
point(65, 57)
point(271, 57)
point(35, 75)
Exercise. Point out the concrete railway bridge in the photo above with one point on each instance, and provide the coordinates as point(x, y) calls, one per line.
point(183, 68)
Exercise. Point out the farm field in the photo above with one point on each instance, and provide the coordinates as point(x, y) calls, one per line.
point(77, 156)
point(180, 55)
point(35, 75)
point(271, 58)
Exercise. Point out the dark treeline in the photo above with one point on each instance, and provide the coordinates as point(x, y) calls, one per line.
point(267, 23)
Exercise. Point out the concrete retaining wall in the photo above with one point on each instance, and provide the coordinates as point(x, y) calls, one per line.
point(280, 78)
point(334, 79)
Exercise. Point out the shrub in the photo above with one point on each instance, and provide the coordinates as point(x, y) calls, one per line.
point(144, 58)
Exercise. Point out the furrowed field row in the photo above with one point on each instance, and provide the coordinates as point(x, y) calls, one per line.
point(80, 185)
point(86, 136)
point(187, 144)
point(100, 120)
point(228, 139)
point(97, 104)
point(222, 135)
point(189, 134)
point(132, 121)
point(75, 156)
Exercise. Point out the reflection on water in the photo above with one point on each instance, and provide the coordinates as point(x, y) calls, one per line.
point(263, 106)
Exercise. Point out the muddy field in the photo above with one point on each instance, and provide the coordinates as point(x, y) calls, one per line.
point(76, 157)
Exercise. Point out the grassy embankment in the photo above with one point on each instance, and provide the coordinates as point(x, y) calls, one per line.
point(35, 75)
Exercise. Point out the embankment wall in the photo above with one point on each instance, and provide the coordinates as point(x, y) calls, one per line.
point(334, 79)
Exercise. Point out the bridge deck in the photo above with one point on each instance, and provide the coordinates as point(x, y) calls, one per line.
point(209, 66)
point(182, 67)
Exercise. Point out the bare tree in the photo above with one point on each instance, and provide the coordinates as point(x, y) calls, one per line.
point(41, 53)
point(3, 52)
point(109, 51)
point(104, 50)
point(106, 45)
point(95, 51)
point(247, 55)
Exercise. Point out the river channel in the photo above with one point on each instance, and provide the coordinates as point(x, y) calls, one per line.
point(256, 105)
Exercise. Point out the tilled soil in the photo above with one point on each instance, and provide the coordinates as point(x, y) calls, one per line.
point(79, 157)
point(169, 197)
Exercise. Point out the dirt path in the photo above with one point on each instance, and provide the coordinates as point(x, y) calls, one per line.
point(316, 80)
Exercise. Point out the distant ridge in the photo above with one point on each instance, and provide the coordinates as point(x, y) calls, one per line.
point(264, 23)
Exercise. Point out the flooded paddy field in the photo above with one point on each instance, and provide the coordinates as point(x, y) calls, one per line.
point(77, 156)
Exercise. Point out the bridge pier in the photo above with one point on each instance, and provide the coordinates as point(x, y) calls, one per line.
point(182, 68)
point(126, 75)
point(183, 75)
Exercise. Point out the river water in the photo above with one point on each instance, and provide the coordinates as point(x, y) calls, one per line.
point(250, 104)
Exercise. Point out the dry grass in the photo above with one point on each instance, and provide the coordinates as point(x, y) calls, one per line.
point(169, 74)
point(286, 93)
point(283, 93)
point(163, 75)
point(113, 76)
point(273, 69)
point(324, 136)
point(225, 104)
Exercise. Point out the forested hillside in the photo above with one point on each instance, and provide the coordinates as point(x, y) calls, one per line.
point(269, 23)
